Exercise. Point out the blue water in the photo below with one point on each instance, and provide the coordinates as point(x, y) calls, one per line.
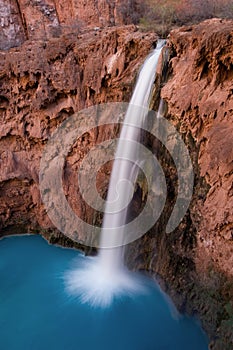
point(37, 314)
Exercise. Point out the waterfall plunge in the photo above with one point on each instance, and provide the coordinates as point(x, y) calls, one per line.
point(101, 279)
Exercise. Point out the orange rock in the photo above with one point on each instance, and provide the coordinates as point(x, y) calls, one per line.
point(200, 100)
point(42, 84)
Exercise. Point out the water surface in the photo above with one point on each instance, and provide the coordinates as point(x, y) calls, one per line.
point(36, 313)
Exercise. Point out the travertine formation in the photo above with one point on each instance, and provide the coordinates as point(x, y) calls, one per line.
point(199, 95)
point(200, 103)
point(196, 260)
point(44, 82)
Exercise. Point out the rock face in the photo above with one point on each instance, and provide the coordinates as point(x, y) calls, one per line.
point(43, 83)
point(11, 27)
point(200, 101)
point(196, 260)
point(44, 19)
point(200, 104)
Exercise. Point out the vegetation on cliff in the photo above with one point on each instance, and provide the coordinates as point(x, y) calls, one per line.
point(164, 15)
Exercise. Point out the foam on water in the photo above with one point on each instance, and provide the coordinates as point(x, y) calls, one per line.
point(89, 283)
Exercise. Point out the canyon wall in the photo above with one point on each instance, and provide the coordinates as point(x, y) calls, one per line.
point(44, 19)
point(196, 260)
point(42, 84)
point(200, 103)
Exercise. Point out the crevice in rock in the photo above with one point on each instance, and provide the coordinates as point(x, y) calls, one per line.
point(23, 20)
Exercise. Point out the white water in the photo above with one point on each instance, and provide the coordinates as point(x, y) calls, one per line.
point(123, 174)
point(104, 277)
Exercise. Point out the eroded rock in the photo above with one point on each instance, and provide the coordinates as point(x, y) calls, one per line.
point(196, 260)
point(42, 84)
point(44, 19)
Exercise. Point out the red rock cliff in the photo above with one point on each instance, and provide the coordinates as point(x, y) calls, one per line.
point(23, 19)
point(200, 103)
point(44, 82)
point(196, 260)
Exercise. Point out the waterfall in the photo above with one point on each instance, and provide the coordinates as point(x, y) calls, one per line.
point(123, 176)
point(104, 277)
